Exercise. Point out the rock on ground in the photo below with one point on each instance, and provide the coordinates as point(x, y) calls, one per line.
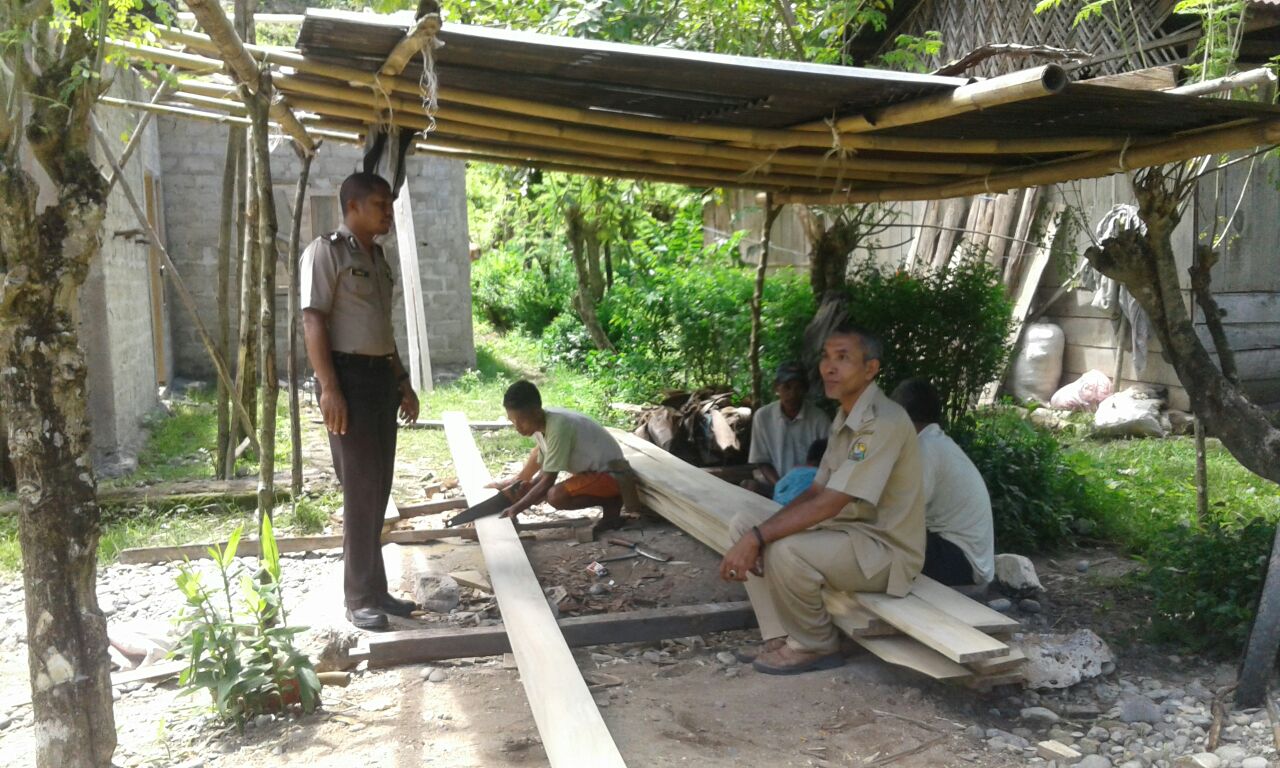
point(436, 593)
point(327, 646)
point(1061, 661)
point(1017, 575)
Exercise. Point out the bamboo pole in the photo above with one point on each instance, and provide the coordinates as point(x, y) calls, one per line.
point(295, 243)
point(266, 248)
point(409, 46)
point(331, 93)
point(754, 137)
point(215, 22)
point(506, 149)
point(1259, 76)
point(167, 109)
point(183, 294)
point(353, 112)
point(1210, 141)
point(1005, 89)
point(135, 138)
point(232, 168)
point(771, 212)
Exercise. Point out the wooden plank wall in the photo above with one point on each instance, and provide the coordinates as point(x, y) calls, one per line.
point(1247, 286)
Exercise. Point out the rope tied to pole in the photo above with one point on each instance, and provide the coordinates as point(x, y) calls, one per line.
point(429, 82)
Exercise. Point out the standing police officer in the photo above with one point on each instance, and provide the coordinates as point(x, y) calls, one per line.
point(346, 314)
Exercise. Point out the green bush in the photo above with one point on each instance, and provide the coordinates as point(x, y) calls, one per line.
point(679, 315)
point(1036, 493)
point(514, 291)
point(950, 326)
point(1205, 584)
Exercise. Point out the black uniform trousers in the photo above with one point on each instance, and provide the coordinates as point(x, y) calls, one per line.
point(364, 461)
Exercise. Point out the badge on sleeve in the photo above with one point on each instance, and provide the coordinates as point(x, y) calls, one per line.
point(859, 451)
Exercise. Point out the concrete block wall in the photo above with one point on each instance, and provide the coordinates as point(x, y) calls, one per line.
point(116, 318)
point(192, 155)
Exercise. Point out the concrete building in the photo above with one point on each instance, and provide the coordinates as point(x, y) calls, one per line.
point(138, 338)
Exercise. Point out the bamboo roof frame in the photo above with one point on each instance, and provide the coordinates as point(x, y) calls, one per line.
point(892, 152)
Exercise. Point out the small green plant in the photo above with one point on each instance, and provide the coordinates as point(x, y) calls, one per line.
point(1205, 583)
point(244, 657)
point(311, 515)
point(1036, 493)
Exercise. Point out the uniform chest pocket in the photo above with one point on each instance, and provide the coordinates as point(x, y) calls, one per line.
point(360, 281)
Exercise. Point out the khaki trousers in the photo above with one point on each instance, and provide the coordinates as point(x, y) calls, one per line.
point(787, 600)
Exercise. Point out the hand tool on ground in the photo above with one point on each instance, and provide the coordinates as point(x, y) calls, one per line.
point(641, 550)
point(615, 558)
point(490, 506)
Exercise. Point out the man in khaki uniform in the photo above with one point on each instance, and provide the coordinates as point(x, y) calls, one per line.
point(859, 528)
point(346, 314)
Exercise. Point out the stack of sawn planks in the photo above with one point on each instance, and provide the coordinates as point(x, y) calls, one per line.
point(934, 630)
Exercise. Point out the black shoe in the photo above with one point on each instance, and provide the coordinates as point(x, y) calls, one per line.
point(367, 618)
point(397, 607)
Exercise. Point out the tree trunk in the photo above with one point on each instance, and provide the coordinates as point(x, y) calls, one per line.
point(295, 244)
point(584, 301)
point(45, 258)
point(829, 260)
point(1145, 265)
point(250, 272)
point(268, 387)
point(757, 299)
point(226, 237)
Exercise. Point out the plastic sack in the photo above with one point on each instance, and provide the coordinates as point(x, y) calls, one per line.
point(1083, 394)
point(1038, 366)
point(1131, 413)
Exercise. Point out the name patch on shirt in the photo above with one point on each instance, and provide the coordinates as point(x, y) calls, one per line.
point(859, 450)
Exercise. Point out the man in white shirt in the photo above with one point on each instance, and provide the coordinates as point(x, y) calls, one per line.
point(960, 549)
point(782, 431)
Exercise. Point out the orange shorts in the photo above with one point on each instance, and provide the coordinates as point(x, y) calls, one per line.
point(598, 484)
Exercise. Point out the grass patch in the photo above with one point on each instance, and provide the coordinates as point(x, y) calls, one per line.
point(501, 359)
point(1152, 484)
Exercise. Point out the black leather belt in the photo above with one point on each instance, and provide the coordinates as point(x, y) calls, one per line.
point(349, 359)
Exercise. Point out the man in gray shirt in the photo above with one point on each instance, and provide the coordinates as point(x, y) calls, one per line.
point(782, 431)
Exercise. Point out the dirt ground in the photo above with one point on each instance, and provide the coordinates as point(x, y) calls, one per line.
point(677, 702)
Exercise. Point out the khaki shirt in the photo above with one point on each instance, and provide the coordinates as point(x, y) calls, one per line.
point(352, 290)
point(872, 455)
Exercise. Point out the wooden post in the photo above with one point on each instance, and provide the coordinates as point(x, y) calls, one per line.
point(771, 212)
point(415, 318)
point(233, 168)
point(295, 244)
point(266, 248)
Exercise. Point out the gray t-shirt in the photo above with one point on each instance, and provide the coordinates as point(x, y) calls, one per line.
point(575, 444)
point(783, 442)
point(957, 506)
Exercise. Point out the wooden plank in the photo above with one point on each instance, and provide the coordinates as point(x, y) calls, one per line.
point(852, 619)
point(1000, 665)
point(415, 313)
point(439, 424)
point(421, 645)
point(909, 653)
point(474, 580)
point(432, 508)
point(249, 547)
point(961, 608)
point(917, 619)
point(572, 731)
